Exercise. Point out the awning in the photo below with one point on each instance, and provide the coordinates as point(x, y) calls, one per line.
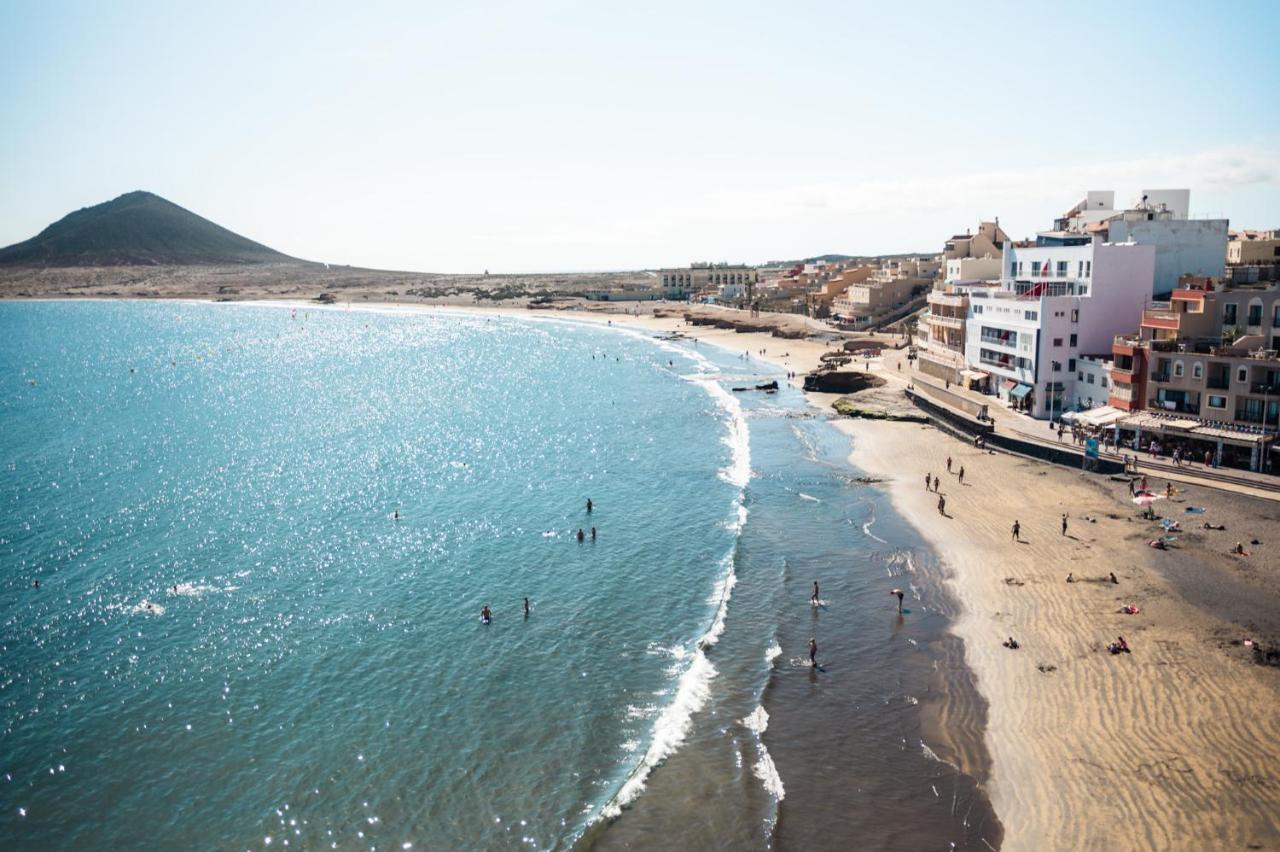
point(1020, 391)
point(1010, 384)
point(1103, 415)
point(973, 375)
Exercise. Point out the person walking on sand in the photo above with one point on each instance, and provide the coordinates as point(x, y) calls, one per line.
point(1017, 531)
point(1064, 524)
point(961, 480)
point(897, 593)
point(814, 600)
point(813, 652)
point(942, 505)
point(928, 482)
point(948, 464)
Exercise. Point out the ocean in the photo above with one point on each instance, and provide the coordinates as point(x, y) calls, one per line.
point(263, 538)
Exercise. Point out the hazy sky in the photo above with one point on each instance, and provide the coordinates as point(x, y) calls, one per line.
point(597, 135)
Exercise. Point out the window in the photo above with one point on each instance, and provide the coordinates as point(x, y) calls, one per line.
point(1062, 269)
point(1031, 316)
point(977, 309)
point(1019, 268)
point(1197, 370)
point(1035, 268)
point(1228, 314)
point(1217, 402)
point(1073, 340)
point(1075, 314)
point(1177, 369)
point(1104, 381)
point(1242, 374)
point(1255, 313)
point(1071, 364)
point(1084, 291)
point(1088, 269)
point(1275, 315)
point(1057, 341)
point(1079, 268)
point(1089, 378)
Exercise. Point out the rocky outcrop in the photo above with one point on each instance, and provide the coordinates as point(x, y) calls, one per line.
point(840, 381)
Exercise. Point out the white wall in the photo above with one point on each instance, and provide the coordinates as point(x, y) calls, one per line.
point(1183, 247)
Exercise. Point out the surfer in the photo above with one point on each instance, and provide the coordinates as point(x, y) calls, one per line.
point(813, 652)
point(526, 607)
point(815, 599)
point(581, 535)
point(485, 615)
point(898, 594)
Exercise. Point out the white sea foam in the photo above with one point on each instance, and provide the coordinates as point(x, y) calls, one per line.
point(773, 653)
point(757, 721)
point(768, 775)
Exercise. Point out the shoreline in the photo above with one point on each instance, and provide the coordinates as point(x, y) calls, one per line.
point(1175, 745)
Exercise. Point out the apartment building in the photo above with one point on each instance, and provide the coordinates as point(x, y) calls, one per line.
point(1205, 364)
point(1158, 217)
point(703, 277)
point(941, 334)
point(1056, 300)
point(1253, 247)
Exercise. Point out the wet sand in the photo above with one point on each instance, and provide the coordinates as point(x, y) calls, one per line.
point(1175, 745)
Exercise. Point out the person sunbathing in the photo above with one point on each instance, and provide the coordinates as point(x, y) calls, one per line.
point(1158, 544)
point(1129, 609)
point(1210, 526)
point(1011, 644)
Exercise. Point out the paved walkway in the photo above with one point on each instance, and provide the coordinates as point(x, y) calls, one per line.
point(895, 368)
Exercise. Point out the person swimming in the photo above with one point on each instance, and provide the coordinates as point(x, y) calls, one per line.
point(581, 534)
point(485, 615)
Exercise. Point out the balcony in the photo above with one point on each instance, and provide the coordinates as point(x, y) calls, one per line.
point(949, 322)
point(1265, 388)
point(1218, 383)
point(1178, 407)
point(1160, 377)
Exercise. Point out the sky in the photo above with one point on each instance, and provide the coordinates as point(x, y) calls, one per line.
point(568, 136)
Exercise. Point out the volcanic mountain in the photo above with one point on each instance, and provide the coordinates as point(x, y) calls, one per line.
point(137, 229)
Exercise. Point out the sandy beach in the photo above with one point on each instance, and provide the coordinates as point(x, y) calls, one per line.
point(1173, 746)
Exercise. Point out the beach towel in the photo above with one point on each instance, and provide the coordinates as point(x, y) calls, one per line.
point(1195, 510)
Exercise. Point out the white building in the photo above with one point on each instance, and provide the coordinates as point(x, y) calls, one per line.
point(1157, 217)
point(1054, 302)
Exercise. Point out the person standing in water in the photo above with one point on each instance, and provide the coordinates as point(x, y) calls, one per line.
point(897, 593)
point(581, 535)
point(485, 615)
point(593, 533)
point(526, 607)
point(588, 505)
point(814, 600)
point(813, 652)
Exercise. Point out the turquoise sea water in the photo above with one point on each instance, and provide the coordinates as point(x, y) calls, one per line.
point(234, 643)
